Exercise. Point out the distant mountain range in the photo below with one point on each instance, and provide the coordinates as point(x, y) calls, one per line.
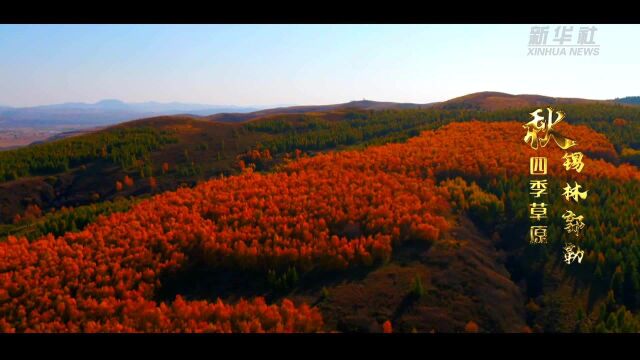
point(110, 112)
point(105, 112)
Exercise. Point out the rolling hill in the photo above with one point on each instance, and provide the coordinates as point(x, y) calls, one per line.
point(491, 100)
point(203, 148)
point(352, 105)
point(343, 218)
point(107, 112)
point(70, 119)
point(417, 234)
point(487, 100)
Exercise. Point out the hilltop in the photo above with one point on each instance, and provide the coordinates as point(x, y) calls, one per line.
point(492, 100)
point(352, 105)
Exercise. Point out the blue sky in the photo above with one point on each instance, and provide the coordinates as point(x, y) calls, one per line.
point(301, 64)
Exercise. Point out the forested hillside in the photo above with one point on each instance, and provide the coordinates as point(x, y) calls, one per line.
point(304, 231)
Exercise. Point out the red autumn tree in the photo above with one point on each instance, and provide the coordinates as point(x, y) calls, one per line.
point(471, 327)
point(386, 327)
point(32, 212)
point(620, 122)
point(128, 181)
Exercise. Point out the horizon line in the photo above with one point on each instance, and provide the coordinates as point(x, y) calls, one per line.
point(278, 105)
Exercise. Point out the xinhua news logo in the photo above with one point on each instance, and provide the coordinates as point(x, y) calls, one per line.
point(564, 41)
